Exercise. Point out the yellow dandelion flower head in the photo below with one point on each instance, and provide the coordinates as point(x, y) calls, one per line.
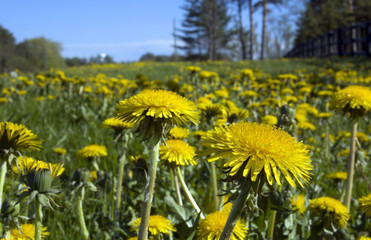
point(355, 100)
point(179, 133)
point(365, 205)
point(27, 231)
point(222, 93)
point(156, 225)
point(157, 104)
point(270, 119)
point(27, 164)
point(325, 93)
point(214, 110)
point(250, 149)
point(322, 206)
point(92, 151)
point(178, 153)
point(306, 126)
point(60, 151)
point(364, 238)
point(298, 203)
point(211, 227)
point(193, 69)
point(337, 175)
point(93, 175)
point(247, 73)
point(133, 238)
point(116, 124)
point(248, 93)
point(18, 137)
point(324, 115)
point(198, 133)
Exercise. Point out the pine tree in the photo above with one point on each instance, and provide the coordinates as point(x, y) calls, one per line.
point(204, 29)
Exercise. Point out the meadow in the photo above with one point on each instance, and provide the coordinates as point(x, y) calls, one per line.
point(67, 109)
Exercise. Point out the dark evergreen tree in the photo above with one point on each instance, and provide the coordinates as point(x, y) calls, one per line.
point(7, 50)
point(205, 28)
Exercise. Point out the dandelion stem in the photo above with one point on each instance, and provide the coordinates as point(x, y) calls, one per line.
point(148, 193)
point(236, 210)
point(2, 181)
point(176, 181)
point(38, 219)
point(80, 198)
point(119, 184)
point(188, 193)
point(272, 220)
point(215, 186)
point(350, 170)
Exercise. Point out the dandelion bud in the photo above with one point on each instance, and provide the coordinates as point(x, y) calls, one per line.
point(81, 175)
point(40, 180)
point(9, 208)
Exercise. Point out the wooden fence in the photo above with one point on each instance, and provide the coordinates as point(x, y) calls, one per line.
point(354, 40)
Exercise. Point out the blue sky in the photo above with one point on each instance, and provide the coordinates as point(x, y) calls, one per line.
point(124, 29)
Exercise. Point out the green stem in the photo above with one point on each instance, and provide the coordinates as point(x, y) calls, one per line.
point(272, 220)
point(177, 188)
point(350, 170)
point(215, 186)
point(38, 219)
point(148, 193)
point(236, 210)
point(188, 193)
point(119, 185)
point(2, 181)
point(80, 198)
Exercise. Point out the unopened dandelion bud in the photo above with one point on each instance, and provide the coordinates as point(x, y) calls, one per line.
point(9, 208)
point(81, 175)
point(40, 180)
point(360, 156)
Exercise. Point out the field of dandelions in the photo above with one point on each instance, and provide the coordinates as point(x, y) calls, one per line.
point(173, 150)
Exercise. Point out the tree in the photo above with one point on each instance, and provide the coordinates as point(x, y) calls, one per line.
point(264, 4)
point(40, 54)
point(75, 61)
point(7, 50)
point(205, 29)
point(321, 16)
point(241, 32)
point(251, 15)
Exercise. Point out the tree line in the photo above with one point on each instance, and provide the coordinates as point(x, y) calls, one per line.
point(37, 54)
point(214, 29)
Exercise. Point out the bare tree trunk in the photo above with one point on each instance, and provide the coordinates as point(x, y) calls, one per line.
point(242, 35)
point(251, 30)
point(211, 26)
point(263, 31)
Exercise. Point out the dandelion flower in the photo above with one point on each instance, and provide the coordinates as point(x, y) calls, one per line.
point(250, 149)
point(364, 238)
point(297, 203)
point(270, 119)
point(306, 126)
point(116, 124)
point(355, 100)
point(157, 104)
point(60, 151)
point(156, 111)
point(178, 153)
point(27, 231)
point(337, 175)
point(18, 137)
point(211, 227)
point(365, 205)
point(179, 133)
point(156, 226)
point(334, 209)
point(92, 151)
point(28, 164)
